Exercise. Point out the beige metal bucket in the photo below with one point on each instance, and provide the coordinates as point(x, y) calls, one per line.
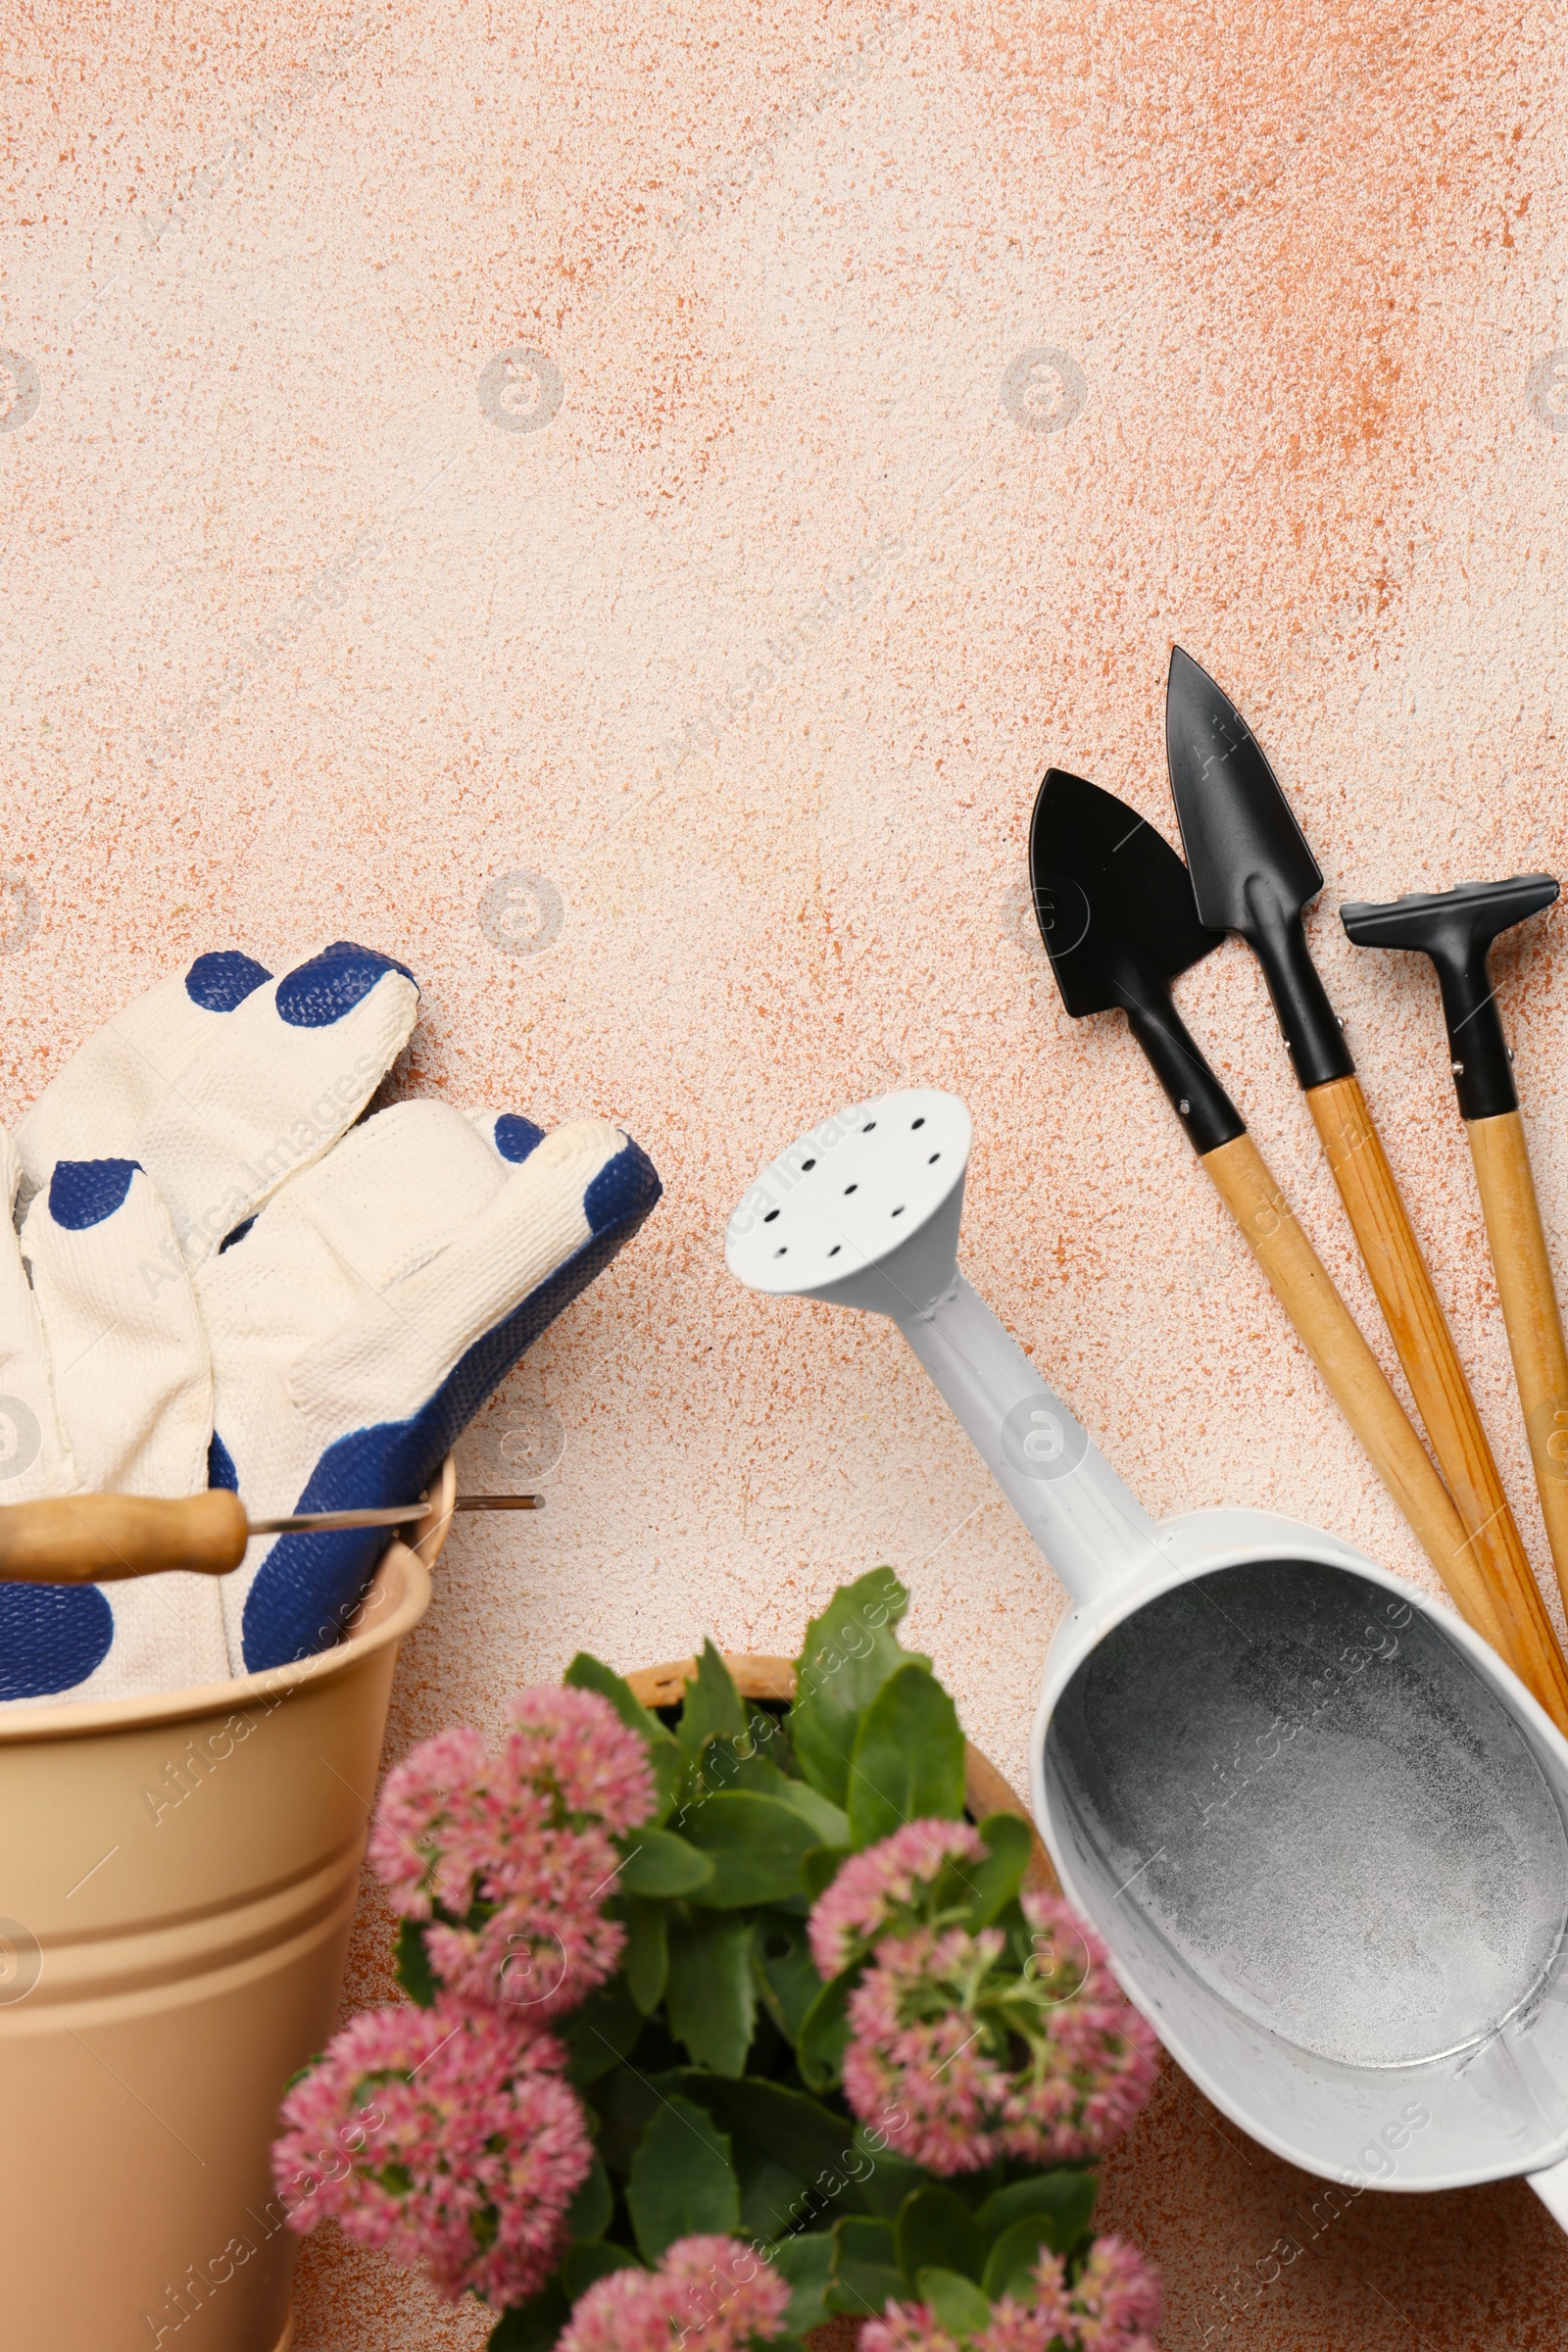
point(178, 1876)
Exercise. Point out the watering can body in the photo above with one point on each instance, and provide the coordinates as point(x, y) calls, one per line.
point(864, 1213)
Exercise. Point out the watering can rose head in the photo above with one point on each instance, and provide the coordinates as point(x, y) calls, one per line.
point(790, 1990)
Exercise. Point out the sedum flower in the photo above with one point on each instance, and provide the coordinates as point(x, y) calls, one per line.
point(444, 2136)
point(1115, 2305)
point(510, 1856)
point(974, 2059)
point(709, 2294)
point(890, 1887)
point(416, 1816)
point(906, 2328)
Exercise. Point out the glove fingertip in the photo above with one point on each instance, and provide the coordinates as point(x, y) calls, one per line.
point(225, 978)
point(514, 1136)
point(326, 987)
point(623, 1192)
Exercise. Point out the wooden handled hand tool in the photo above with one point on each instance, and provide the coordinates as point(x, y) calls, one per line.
point(1116, 915)
point(101, 1539)
point(1254, 873)
point(1457, 929)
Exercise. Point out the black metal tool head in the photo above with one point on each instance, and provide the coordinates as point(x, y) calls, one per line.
point(1114, 904)
point(1252, 869)
point(1456, 928)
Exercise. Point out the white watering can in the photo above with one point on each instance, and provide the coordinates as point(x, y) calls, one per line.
point(1321, 1826)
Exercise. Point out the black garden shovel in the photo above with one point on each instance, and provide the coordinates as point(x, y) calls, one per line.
point(1457, 929)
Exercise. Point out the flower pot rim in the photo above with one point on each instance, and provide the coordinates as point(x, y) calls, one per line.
point(397, 1597)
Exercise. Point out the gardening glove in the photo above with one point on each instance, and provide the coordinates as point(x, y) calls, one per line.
point(361, 1321)
point(222, 1082)
point(207, 1090)
point(105, 1386)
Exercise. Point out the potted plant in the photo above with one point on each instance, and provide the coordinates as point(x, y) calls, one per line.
point(726, 2020)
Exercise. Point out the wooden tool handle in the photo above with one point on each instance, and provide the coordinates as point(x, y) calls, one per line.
point(1420, 1333)
point(1518, 1244)
point(1354, 1377)
point(99, 1539)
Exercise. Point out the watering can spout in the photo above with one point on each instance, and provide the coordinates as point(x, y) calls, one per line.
point(864, 1212)
point(1090, 1526)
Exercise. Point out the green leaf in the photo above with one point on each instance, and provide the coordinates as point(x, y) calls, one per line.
point(829, 1822)
point(907, 1763)
point(661, 1865)
point(1062, 2200)
point(682, 2181)
point(712, 2000)
point(599, 2034)
point(787, 1972)
point(1014, 2253)
point(824, 2033)
point(865, 2267)
point(849, 1651)
point(584, 2265)
point(415, 1973)
point(988, 1885)
point(820, 1868)
point(645, 1965)
point(773, 2199)
point(588, 2214)
point(664, 1751)
point(726, 1766)
point(935, 2227)
point(532, 2327)
point(886, 2180)
point(624, 2104)
point(806, 2264)
point(588, 1673)
point(785, 2124)
point(957, 2301)
point(756, 1846)
point(713, 1707)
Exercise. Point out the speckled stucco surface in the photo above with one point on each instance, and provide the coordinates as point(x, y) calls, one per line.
point(745, 615)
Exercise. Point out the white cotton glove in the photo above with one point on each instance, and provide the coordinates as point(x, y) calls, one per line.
point(222, 1082)
point(339, 1313)
point(105, 1386)
point(205, 1093)
point(362, 1320)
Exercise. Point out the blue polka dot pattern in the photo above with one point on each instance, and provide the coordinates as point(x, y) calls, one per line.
point(51, 1636)
point(220, 982)
point(84, 1191)
point(516, 1138)
point(317, 994)
point(221, 1470)
point(309, 1585)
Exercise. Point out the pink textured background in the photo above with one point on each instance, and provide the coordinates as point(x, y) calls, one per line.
point(756, 650)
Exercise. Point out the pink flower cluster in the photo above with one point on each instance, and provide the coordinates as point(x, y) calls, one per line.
point(524, 1839)
point(961, 2058)
point(444, 2136)
point(887, 1887)
point(1114, 2305)
point(709, 2294)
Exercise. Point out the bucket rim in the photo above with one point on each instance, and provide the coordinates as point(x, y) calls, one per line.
point(398, 1596)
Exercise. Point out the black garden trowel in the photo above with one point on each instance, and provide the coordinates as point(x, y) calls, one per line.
point(1118, 915)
